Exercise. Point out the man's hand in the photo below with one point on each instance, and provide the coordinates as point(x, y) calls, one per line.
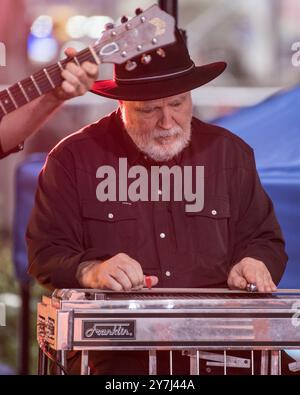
point(77, 79)
point(250, 270)
point(119, 273)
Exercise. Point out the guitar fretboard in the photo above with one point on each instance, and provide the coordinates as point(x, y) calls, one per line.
point(41, 82)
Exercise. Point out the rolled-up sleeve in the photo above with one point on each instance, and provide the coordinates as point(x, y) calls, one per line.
point(54, 234)
point(257, 232)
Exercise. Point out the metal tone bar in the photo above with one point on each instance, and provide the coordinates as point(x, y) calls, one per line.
point(84, 362)
point(274, 362)
point(171, 362)
point(194, 363)
point(264, 364)
point(152, 362)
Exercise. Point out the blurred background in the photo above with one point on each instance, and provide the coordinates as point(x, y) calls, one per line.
point(259, 40)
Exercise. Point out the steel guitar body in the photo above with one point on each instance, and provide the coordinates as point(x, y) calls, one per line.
point(86, 319)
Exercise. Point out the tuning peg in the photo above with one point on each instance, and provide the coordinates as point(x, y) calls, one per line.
point(130, 65)
point(138, 11)
point(109, 26)
point(124, 19)
point(146, 58)
point(161, 52)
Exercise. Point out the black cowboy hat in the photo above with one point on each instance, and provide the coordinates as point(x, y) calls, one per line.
point(170, 72)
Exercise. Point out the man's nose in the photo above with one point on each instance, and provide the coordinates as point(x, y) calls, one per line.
point(166, 121)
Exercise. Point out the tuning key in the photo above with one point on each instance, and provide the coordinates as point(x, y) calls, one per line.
point(130, 65)
point(124, 19)
point(161, 52)
point(138, 11)
point(146, 58)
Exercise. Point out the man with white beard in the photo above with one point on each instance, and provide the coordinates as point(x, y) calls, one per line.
point(150, 125)
point(75, 239)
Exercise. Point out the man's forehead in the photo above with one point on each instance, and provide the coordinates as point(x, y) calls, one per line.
point(162, 101)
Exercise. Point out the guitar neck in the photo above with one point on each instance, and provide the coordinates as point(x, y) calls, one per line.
point(146, 31)
point(40, 82)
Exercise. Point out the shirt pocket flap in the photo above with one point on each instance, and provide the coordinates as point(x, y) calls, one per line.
point(214, 207)
point(108, 211)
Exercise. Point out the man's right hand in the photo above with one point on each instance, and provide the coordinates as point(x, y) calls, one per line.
point(119, 273)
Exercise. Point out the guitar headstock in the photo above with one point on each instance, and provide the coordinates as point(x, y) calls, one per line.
point(148, 30)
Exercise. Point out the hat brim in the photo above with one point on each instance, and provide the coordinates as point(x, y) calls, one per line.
point(159, 88)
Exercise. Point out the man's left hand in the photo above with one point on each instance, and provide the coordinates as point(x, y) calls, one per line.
point(250, 270)
point(77, 79)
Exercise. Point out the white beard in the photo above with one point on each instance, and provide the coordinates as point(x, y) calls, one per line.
point(153, 145)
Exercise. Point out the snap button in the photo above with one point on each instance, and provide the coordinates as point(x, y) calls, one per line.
point(168, 274)
point(162, 235)
point(110, 215)
point(214, 212)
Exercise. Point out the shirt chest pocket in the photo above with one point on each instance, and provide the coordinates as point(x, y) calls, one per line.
point(206, 231)
point(111, 226)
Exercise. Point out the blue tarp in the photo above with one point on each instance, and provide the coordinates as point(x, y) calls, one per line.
point(26, 178)
point(272, 129)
